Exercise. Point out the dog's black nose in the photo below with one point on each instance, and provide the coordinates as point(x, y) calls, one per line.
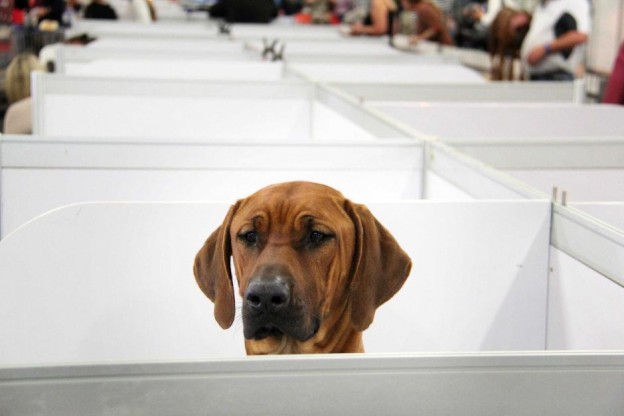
point(268, 296)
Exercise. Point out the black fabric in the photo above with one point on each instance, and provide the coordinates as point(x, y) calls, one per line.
point(245, 11)
point(55, 7)
point(566, 23)
point(559, 75)
point(100, 11)
point(468, 32)
point(21, 4)
point(291, 7)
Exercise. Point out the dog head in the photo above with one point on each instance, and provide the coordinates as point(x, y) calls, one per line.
point(307, 260)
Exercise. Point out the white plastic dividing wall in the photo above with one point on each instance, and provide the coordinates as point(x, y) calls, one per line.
point(161, 110)
point(39, 175)
point(586, 288)
point(114, 282)
point(455, 122)
point(163, 30)
point(423, 73)
point(500, 92)
point(164, 46)
point(585, 168)
point(561, 384)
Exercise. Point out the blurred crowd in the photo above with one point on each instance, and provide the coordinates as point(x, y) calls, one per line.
point(548, 36)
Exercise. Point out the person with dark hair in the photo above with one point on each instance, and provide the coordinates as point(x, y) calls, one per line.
point(49, 10)
point(552, 49)
point(100, 9)
point(464, 23)
point(244, 11)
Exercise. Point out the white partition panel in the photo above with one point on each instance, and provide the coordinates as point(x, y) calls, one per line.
point(162, 30)
point(450, 175)
point(574, 165)
point(171, 118)
point(586, 289)
point(152, 50)
point(388, 74)
point(585, 309)
point(459, 296)
point(371, 48)
point(455, 122)
point(284, 30)
point(457, 92)
point(348, 51)
point(552, 384)
point(563, 152)
point(611, 213)
point(68, 106)
point(39, 175)
point(579, 184)
point(113, 282)
point(185, 68)
point(598, 246)
point(164, 46)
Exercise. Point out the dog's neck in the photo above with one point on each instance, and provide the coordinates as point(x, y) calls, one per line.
point(335, 335)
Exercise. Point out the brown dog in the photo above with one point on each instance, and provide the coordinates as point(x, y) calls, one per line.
point(312, 268)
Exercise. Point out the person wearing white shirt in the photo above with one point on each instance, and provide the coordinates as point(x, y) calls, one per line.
point(554, 47)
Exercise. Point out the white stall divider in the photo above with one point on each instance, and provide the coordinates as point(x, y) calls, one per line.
point(573, 165)
point(284, 30)
point(585, 309)
point(164, 46)
point(598, 246)
point(591, 184)
point(451, 175)
point(153, 57)
point(457, 122)
point(371, 48)
point(113, 282)
point(66, 106)
point(39, 174)
point(157, 67)
point(562, 153)
point(610, 213)
point(385, 93)
point(467, 384)
point(201, 30)
point(425, 73)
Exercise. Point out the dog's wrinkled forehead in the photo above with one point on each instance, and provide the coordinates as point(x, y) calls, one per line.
point(290, 203)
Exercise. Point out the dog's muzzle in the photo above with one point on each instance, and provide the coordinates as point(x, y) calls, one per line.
point(269, 309)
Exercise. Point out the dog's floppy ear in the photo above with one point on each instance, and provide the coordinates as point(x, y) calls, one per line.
point(379, 269)
point(213, 274)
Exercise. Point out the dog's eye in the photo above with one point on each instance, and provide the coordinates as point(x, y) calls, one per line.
point(317, 237)
point(249, 238)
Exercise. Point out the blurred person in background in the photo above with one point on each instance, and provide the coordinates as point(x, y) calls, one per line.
point(52, 10)
point(521, 9)
point(464, 25)
point(430, 24)
point(18, 118)
point(376, 23)
point(244, 11)
point(553, 49)
point(99, 9)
